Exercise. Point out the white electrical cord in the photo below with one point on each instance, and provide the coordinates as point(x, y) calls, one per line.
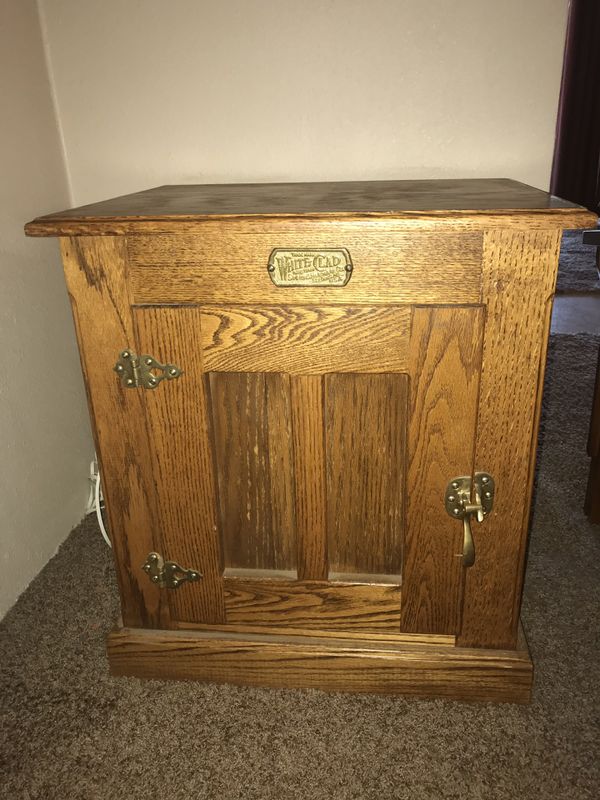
point(105, 535)
point(91, 504)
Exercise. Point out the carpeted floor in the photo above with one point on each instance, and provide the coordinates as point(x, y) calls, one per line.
point(577, 270)
point(71, 731)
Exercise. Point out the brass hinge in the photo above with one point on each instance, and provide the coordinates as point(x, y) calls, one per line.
point(465, 497)
point(145, 371)
point(168, 574)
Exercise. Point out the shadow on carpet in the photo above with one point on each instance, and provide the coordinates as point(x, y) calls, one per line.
point(69, 730)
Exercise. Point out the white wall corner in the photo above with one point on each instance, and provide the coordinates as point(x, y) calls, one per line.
point(52, 84)
point(44, 425)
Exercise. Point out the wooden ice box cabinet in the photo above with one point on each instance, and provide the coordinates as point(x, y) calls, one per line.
point(315, 408)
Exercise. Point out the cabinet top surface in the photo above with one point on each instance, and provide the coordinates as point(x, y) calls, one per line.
point(400, 199)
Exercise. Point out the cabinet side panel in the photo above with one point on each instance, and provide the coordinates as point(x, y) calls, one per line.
point(96, 274)
point(177, 414)
point(444, 382)
point(365, 423)
point(519, 273)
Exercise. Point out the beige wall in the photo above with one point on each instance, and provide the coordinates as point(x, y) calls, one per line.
point(44, 434)
point(164, 91)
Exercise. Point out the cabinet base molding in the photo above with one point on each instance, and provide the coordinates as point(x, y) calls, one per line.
point(420, 669)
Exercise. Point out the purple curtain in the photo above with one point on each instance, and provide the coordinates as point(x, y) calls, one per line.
point(576, 166)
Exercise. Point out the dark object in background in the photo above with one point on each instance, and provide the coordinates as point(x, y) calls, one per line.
point(576, 166)
point(593, 237)
point(592, 497)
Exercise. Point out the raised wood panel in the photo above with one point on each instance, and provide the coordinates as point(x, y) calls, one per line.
point(338, 665)
point(445, 357)
point(252, 445)
point(309, 470)
point(393, 263)
point(281, 470)
point(519, 277)
point(178, 427)
point(313, 605)
point(95, 271)
point(365, 434)
point(309, 339)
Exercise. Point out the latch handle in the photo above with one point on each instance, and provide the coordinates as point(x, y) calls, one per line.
point(468, 553)
point(459, 506)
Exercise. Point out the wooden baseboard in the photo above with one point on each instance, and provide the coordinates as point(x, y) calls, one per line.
point(425, 670)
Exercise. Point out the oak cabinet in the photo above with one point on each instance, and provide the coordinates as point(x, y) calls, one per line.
point(315, 409)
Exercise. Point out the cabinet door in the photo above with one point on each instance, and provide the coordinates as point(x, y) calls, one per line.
point(354, 410)
point(300, 463)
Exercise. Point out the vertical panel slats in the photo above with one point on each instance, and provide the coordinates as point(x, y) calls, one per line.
point(241, 452)
point(281, 472)
point(252, 441)
point(365, 419)
point(310, 479)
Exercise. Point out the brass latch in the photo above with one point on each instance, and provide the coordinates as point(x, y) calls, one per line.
point(145, 371)
point(168, 574)
point(465, 498)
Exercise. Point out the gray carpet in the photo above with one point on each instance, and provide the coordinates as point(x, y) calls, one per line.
point(577, 270)
point(71, 731)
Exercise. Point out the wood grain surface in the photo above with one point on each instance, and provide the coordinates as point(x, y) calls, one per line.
point(178, 426)
point(519, 272)
point(313, 605)
point(95, 271)
point(444, 379)
point(337, 199)
point(380, 635)
point(316, 428)
point(472, 222)
point(365, 435)
point(305, 339)
point(253, 458)
point(394, 262)
point(333, 665)
point(307, 394)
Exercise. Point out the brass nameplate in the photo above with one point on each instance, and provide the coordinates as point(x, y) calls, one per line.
point(310, 267)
